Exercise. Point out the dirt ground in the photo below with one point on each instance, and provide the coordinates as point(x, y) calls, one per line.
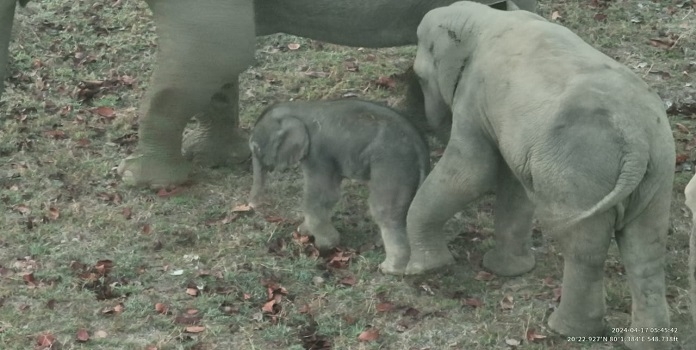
point(88, 263)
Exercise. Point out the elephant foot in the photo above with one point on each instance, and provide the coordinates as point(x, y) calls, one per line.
point(214, 148)
point(569, 326)
point(639, 341)
point(152, 171)
point(325, 236)
point(394, 264)
point(504, 264)
point(421, 261)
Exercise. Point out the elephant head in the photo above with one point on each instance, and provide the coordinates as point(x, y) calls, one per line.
point(278, 141)
point(441, 62)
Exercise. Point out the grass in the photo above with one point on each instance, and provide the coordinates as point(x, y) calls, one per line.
point(65, 211)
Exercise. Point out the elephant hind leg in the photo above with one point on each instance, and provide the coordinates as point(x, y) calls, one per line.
point(392, 187)
point(642, 247)
point(512, 254)
point(582, 308)
point(466, 171)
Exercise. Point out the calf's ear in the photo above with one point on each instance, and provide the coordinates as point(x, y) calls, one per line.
point(293, 142)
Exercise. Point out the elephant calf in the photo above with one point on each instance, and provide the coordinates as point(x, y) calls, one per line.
point(547, 122)
point(333, 140)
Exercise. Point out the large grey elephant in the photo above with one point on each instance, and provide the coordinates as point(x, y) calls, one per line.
point(690, 193)
point(546, 121)
point(204, 45)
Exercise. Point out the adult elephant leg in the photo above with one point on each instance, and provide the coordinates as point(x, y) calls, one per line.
point(466, 171)
point(218, 140)
point(202, 48)
point(642, 244)
point(690, 193)
point(7, 10)
point(582, 307)
point(512, 254)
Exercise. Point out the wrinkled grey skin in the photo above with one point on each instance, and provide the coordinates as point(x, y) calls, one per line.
point(690, 193)
point(351, 139)
point(204, 45)
point(546, 121)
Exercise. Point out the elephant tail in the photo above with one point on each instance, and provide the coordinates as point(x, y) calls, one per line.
point(633, 169)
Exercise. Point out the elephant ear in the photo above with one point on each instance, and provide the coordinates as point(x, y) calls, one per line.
point(292, 142)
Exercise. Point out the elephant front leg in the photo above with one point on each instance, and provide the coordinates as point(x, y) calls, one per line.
point(464, 173)
point(512, 254)
point(322, 190)
point(582, 306)
point(202, 48)
point(218, 140)
point(157, 162)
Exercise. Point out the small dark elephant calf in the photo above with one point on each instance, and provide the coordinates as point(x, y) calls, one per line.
point(333, 140)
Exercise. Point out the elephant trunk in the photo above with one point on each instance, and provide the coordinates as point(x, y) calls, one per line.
point(258, 188)
point(7, 10)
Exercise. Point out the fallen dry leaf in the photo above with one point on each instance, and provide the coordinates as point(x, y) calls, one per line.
point(104, 266)
point(512, 342)
point(147, 229)
point(45, 340)
point(340, 259)
point(473, 302)
point(348, 281)
point(106, 112)
point(385, 82)
point(300, 238)
point(681, 158)
point(161, 308)
point(663, 43)
point(242, 208)
point(22, 209)
point(29, 279)
point(100, 334)
point(533, 336)
point(548, 282)
point(274, 219)
point(507, 302)
point(484, 276)
point(682, 128)
point(270, 307)
point(55, 134)
point(194, 329)
point(127, 213)
point(555, 15)
point(117, 309)
point(82, 335)
point(53, 213)
point(384, 307)
point(192, 291)
point(83, 142)
point(600, 17)
point(370, 334)
point(169, 191)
